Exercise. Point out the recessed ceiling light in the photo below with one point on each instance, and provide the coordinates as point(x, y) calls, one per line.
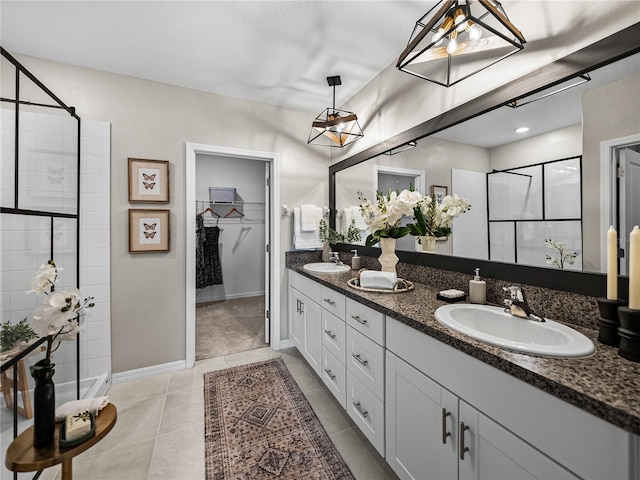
point(521, 129)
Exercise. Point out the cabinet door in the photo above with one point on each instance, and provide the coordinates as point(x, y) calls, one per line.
point(312, 347)
point(495, 453)
point(420, 438)
point(296, 322)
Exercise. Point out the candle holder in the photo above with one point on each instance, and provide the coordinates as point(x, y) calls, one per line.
point(608, 321)
point(629, 332)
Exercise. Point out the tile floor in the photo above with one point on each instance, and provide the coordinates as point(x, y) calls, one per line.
point(160, 432)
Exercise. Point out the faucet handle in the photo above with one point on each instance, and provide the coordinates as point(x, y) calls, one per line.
point(515, 292)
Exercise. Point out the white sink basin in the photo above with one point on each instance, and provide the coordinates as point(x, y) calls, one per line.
point(322, 267)
point(493, 325)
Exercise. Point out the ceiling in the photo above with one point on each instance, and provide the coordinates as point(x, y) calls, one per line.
point(277, 52)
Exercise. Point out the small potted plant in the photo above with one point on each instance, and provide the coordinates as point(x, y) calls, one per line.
point(13, 335)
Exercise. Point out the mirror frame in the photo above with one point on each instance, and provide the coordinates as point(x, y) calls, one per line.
point(621, 44)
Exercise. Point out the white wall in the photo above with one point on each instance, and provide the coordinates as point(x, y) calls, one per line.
point(242, 241)
point(153, 120)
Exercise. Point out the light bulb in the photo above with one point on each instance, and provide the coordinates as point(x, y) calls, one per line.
point(475, 33)
point(437, 37)
point(459, 16)
point(452, 47)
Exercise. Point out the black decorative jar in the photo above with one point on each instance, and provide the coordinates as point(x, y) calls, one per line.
point(44, 403)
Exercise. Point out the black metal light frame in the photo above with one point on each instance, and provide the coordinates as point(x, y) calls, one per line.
point(429, 24)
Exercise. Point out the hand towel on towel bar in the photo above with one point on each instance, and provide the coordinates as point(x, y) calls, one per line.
point(310, 216)
point(303, 240)
point(376, 279)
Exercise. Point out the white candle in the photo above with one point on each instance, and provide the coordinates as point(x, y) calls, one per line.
point(612, 264)
point(634, 269)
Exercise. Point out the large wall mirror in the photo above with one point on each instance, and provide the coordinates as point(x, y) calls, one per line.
point(525, 188)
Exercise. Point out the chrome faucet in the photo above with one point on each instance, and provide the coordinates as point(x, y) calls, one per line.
point(517, 304)
point(336, 258)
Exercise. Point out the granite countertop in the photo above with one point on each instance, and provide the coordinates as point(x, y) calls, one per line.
point(603, 384)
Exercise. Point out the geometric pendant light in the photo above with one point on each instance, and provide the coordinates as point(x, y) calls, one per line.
point(458, 38)
point(334, 127)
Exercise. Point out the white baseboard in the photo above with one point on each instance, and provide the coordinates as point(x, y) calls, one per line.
point(143, 372)
point(203, 298)
point(286, 343)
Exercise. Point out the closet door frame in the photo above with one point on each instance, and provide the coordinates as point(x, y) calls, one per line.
point(272, 234)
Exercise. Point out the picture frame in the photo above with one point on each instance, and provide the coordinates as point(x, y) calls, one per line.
point(149, 230)
point(148, 181)
point(439, 192)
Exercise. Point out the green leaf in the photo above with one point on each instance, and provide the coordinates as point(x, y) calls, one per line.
point(371, 241)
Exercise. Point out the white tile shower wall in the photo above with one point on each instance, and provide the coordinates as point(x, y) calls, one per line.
point(516, 197)
point(501, 235)
point(562, 189)
point(24, 244)
point(531, 242)
point(470, 232)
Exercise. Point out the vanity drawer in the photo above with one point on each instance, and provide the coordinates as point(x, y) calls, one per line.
point(367, 411)
point(334, 333)
point(334, 376)
point(366, 320)
point(333, 302)
point(365, 360)
point(305, 285)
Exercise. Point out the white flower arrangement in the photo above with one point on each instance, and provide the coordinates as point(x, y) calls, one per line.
point(564, 256)
point(383, 218)
point(436, 219)
point(58, 316)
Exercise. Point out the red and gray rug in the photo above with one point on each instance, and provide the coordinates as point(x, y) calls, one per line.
point(259, 425)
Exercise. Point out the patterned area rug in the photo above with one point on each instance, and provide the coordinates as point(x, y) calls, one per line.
point(259, 425)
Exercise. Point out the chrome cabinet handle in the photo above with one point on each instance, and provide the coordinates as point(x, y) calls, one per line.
point(297, 305)
point(364, 413)
point(462, 448)
point(301, 307)
point(328, 372)
point(330, 334)
point(330, 302)
point(359, 359)
point(358, 319)
point(445, 434)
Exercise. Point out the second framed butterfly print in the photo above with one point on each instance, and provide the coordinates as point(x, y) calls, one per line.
point(148, 230)
point(148, 181)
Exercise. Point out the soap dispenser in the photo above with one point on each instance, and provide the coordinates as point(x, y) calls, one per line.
point(477, 289)
point(355, 260)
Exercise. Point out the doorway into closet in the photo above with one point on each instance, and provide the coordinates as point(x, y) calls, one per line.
point(231, 264)
point(231, 196)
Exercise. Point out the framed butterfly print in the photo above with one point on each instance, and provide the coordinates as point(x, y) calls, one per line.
point(148, 230)
point(148, 181)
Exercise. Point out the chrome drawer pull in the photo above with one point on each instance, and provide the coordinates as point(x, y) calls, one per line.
point(329, 374)
point(298, 305)
point(330, 302)
point(357, 357)
point(462, 448)
point(330, 334)
point(445, 434)
point(364, 413)
point(358, 319)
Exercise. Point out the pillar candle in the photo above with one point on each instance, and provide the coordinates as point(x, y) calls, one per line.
point(612, 264)
point(634, 269)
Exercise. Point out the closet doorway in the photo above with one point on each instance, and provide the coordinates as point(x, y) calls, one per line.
point(230, 272)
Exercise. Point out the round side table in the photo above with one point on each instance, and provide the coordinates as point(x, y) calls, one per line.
point(22, 456)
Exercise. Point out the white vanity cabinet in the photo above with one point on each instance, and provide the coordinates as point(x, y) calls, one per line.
point(305, 317)
point(513, 430)
point(432, 434)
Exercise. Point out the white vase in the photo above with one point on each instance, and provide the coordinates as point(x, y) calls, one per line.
point(428, 243)
point(388, 259)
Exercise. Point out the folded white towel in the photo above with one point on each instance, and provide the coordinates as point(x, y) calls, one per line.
point(303, 240)
point(310, 216)
point(376, 279)
point(93, 405)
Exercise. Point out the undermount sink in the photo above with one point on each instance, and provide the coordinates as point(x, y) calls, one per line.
point(325, 267)
point(493, 325)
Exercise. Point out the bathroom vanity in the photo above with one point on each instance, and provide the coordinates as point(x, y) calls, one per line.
point(437, 404)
